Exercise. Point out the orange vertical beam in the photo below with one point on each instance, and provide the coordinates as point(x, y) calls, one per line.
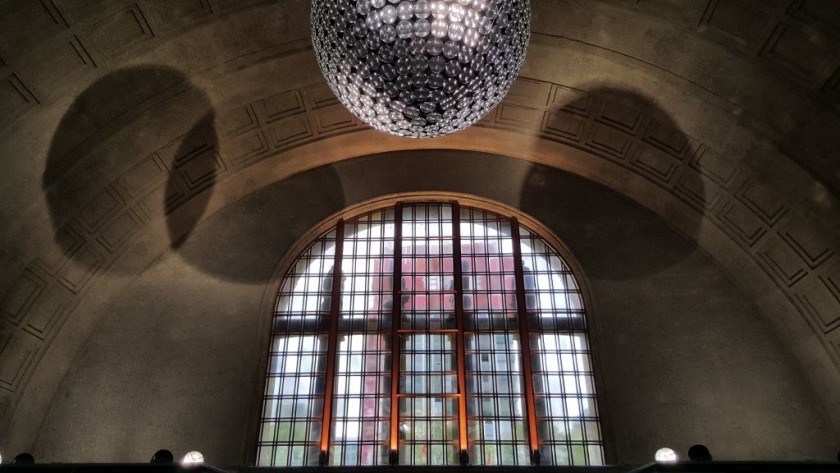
point(524, 338)
point(395, 326)
point(459, 324)
point(332, 344)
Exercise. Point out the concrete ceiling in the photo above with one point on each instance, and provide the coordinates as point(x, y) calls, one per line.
point(130, 121)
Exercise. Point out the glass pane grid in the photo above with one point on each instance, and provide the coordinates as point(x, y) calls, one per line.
point(427, 285)
point(428, 364)
point(362, 403)
point(488, 276)
point(553, 298)
point(432, 220)
point(428, 431)
point(367, 268)
point(496, 404)
point(293, 403)
point(491, 287)
point(567, 417)
point(428, 417)
point(360, 425)
point(308, 286)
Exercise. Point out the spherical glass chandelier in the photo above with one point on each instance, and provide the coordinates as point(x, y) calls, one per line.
point(420, 68)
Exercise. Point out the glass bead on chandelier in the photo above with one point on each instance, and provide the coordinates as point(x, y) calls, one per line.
point(421, 68)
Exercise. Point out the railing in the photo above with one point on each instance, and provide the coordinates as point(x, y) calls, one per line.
point(680, 467)
point(739, 467)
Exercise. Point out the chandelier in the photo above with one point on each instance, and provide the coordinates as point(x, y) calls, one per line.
point(421, 68)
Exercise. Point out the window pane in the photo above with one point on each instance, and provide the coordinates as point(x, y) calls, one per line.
point(360, 425)
point(293, 405)
point(496, 409)
point(428, 431)
point(409, 303)
point(361, 412)
point(565, 399)
point(427, 364)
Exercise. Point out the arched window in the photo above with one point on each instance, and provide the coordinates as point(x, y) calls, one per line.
point(429, 334)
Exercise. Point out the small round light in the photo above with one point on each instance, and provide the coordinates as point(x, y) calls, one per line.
point(665, 455)
point(193, 458)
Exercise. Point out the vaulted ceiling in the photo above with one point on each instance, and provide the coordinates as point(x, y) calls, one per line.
point(130, 121)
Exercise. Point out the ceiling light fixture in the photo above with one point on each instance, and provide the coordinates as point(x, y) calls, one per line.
point(421, 68)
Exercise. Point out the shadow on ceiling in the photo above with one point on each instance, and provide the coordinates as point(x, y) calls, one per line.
point(244, 241)
point(617, 117)
point(106, 127)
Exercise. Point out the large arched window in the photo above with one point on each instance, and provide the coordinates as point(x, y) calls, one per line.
point(429, 334)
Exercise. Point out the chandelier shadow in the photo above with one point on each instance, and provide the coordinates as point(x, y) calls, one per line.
point(421, 68)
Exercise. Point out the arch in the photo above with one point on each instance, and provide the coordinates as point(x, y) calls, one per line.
point(430, 369)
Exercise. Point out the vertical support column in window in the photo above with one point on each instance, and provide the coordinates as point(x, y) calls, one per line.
point(525, 343)
point(359, 431)
point(464, 458)
point(393, 457)
point(564, 390)
point(335, 307)
point(428, 382)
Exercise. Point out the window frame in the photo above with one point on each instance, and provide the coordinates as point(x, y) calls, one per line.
point(518, 218)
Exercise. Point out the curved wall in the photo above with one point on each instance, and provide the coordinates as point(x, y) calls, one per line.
point(124, 124)
point(683, 356)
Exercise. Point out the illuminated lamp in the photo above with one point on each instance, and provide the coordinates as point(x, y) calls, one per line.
point(665, 455)
point(420, 68)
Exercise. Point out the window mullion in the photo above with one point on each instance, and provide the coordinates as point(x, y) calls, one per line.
point(460, 341)
point(396, 287)
point(525, 341)
point(332, 344)
point(442, 287)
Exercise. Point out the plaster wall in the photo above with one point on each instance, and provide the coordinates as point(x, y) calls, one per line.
point(125, 123)
point(683, 355)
